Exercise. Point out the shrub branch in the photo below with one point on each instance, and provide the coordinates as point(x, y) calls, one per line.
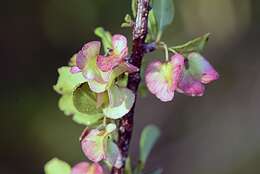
point(126, 123)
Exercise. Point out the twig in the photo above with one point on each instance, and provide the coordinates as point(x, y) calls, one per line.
point(140, 31)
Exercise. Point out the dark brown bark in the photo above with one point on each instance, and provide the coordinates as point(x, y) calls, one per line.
point(138, 50)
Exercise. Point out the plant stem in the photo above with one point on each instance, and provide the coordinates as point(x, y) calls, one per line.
point(126, 123)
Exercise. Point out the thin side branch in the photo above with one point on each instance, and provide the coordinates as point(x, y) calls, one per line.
point(138, 50)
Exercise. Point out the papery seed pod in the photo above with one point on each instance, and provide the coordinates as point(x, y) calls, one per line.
point(162, 78)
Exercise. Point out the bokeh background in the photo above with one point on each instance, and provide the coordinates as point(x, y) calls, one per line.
point(215, 134)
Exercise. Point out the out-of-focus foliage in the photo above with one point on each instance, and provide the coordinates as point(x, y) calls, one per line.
point(85, 101)
point(56, 166)
point(149, 136)
point(164, 12)
point(70, 103)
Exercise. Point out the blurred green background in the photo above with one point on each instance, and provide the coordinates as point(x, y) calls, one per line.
point(215, 134)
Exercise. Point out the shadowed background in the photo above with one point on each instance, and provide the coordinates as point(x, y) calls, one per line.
point(215, 134)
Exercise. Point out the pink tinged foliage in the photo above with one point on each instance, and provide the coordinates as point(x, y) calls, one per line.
point(117, 55)
point(162, 78)
point(88, 62)
point(129, 67)
point(89, 51)
point(93, 145)
point(189, 86)
point(97, 146)
point(114, 156)
point(107, 63)
point(119, 44)
point(201, 69)
point(198, 72)
point(124, 67)
point(86, 168)
point(121, 100)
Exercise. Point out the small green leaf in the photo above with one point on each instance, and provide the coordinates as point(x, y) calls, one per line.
point(121, 101)
point(195, 45)
point(128, 166)
point(66, 84)
point(152, 27)
point(139, 168)
point(143, 91)
point(122, 81)
point(128, 22)
point(113, 155)
point(97, 87)
point(134, 7)
point(85, 101)
point(164, 12)
point(105, 37)
point(66, 105)
point(67, 81)
point(56, 166)
point(128, 18)
point(125, 25)
point(149, 136)
point(85, 119)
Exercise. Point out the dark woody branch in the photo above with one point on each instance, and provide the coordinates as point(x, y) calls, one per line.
point(139, 48)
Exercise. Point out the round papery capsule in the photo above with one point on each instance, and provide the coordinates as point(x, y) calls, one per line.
point(190, 86)
point(117, 55)
point(94, 145)
point(197, 73)
point(88, 52)
point(201, 69)
point(162, 78)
